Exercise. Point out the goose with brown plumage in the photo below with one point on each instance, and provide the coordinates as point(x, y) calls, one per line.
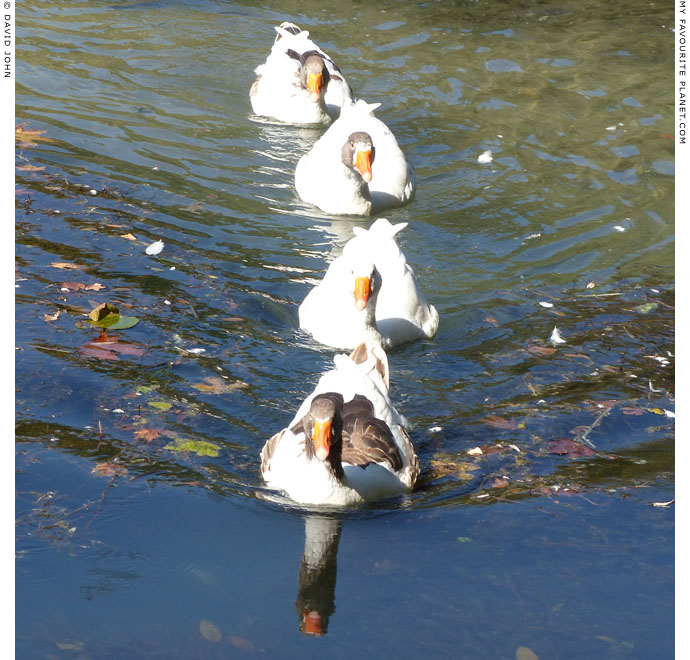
point(347, 444)
point(298, 83)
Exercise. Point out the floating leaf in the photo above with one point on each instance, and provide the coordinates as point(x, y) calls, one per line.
point(656, 411)
point(147, 434)
point(29, 137)
point(210, 631)
point(632, 411)
point(160, 405)
point(216, 385)
point(107, 347)
point(537, 349)
point(492, 320)
point(647, 307)
point(109, 469)
point(65, 265)
point(198, 447)
point(565, 446)
point(500, 423)
point(129, 237)
point(52, 317)
point(108, 316)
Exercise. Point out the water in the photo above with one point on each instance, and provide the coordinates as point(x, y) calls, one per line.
point(146, 103)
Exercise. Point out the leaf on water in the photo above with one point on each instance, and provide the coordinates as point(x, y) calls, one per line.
point(148, 434)
point(500, 423)
point(29, 168)
point(109, 469)
point(500, 482)
point(108, 316)
point(65, 265)
point(216, 385)
point(568, 447)
point(646, 308)
point(198, 447)
point(144, 389)
point(475, 451)
point(29, 137)
point(210, 631)
point(52, 317)
point(242, 643)
point(656, 411)
point(129, 237)
point(107, 347)
point(160, 405)
point(525, 653)
point(96, 286)
point(492, 320)
point(632, 411)
point(443, 467)
point(537, 349)
point(155, 248)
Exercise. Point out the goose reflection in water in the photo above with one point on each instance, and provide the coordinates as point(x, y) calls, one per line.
point(317, 574)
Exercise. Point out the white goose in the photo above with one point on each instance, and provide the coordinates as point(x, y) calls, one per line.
point(347, 444)
point(299, 83)
point(397, 311)
point(356, 167)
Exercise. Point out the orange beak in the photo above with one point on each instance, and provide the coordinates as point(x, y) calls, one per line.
point(362, 292)
point(363, 164)
point(312, 622)
point(314, 85)
point(322, 439)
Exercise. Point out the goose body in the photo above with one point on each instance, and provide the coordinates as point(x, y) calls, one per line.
point(400, 312)
point(298, 83)
point(367, 455)
point(326, 177)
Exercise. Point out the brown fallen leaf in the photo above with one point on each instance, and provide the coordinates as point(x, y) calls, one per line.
point(72, 286)
point(147, 434)
point(129, 237)
point(536, 349)
point(65, 265)
point(500, 423)
point(499, 483)
point(96, 286)
point(52, 317)
point(29, 137)
point(109, 347)
point(109, 469)
point(568, 447)
point(29, 168)
point(632, 411)
point(492, 320)
point(216, 385)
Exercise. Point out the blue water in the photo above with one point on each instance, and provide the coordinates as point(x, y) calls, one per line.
point(168, 554)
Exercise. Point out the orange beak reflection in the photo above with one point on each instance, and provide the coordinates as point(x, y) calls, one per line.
point(363, 163)
point(314, 85)
point(362, 292)
point(311, 623)
point(322, 439)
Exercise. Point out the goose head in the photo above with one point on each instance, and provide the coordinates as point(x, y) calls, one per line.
point(323, 428)
point(314, 75)
point(358, 154)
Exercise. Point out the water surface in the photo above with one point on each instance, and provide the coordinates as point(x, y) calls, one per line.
point(149, 135)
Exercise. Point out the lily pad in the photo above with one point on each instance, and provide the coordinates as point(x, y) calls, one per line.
point(108, 316)
point(198, 447)
point(160, 405)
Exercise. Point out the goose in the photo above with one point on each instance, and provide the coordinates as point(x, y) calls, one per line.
point(397, 311)
point(356, 167)
point(347, 444)
point(298, 83)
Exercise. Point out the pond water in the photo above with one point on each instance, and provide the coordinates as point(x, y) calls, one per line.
point(128, 546)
